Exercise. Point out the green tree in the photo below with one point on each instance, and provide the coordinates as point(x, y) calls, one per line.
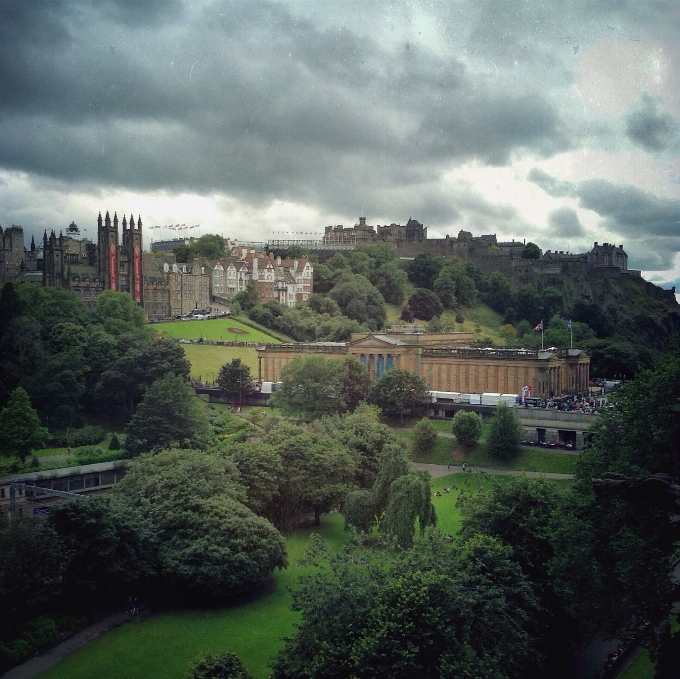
point(445, 289)
point(424, 304)
point(111, 547)
point(318, 471)
point(209, 543)
point(210, 246)
point(424, 269)
point(248, 298)
point(10, 305)
point(219, 666)
point(504, 433)
point(20, 428)
point(393, 464)
point(234, 378)
point(467, 427)
point(390, 279)
point(529, 304)
point(499, 293)
point(118, 312)
point(323, 304)
point(399, 391)
point(262, 316)
point(531, 251)
point(355, 382)
point(424, 436)
point(311, 386)
point(169, 413)
point(409, 499)
point(359, 300)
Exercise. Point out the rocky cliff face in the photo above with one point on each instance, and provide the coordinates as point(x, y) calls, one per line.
point(641, 311)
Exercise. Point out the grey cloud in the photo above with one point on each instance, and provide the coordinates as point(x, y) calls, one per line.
point(248, 98)
point(552, 186)
point(649, 128)
point(564, 223)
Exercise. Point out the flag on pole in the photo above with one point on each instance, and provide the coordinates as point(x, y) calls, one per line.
point(539, 327)
point(569, 325)
point(156, 227)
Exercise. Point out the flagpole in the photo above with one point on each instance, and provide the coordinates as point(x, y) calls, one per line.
point(571, 336)
point(541, 334)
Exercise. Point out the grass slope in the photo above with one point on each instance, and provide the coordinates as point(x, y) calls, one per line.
point(214, 329)
point(207, 359)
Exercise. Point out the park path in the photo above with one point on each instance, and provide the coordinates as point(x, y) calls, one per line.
point(437, 470)
point(44, 661)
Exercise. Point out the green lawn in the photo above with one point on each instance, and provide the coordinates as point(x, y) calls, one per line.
point(529, 459)
point(214, 329)
point(641, 668)
point(207, 359)
point(162, 646)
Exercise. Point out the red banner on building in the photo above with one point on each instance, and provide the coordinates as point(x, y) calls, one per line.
point(113, 265)
point(138, 274)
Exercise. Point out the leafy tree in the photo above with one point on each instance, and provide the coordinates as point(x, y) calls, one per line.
point(323, 304)
point(365, 437)
point(182, 253)
point(10, 305)
point(524, 328)
point(393, 464)
point(409, 499)
point(592, 314)
point(114, 443)
point(296, 252)
point(248, 298)
point(445, 289)
point(424, 269)
point(210, 246)
point(359, 510)
point(262, 316)
point(317, 472)
point(336, 329)
point(399, 391)
point(499, 293)
point(433, 611)
point(361, 263)
point(234, 378)
point(424, 304)
point(118, 312)
point(355, 382)
point(552, 300)
point(390, 279)
point(209, 543)
point(169, 413)
point(261, 473)
point(20, 428)
point(312, 386)
point(220, 666)
point(531, 251)
point(467, 427)
point(111, 547)
point(529, 304)
point(424, 436)
point(299, 323)
point(508, 331)
point(505, 433)
point(359, 300)
point(323, 278)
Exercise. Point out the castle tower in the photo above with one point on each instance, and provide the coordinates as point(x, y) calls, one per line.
point(53, 258)
point(136, 259)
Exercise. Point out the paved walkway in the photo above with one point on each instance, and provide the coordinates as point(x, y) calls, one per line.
point(437, 470)
point(40, 663)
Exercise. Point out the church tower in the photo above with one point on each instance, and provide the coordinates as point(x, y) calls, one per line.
point(107, 260)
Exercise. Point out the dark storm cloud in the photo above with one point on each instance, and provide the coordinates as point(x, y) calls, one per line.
point(627, 208)
point(649, 128)
point(245, 98)
point(564, 223)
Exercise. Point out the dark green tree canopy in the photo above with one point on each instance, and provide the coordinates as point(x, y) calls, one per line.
point(424, 269)
point(505, 433)
point(467, 427)
point(531, 251)
point(218, 666)
point(235, 378)
point(399, 391)
point(169, 413)
point(359, 300)
point(424, 304)
point(20, 428)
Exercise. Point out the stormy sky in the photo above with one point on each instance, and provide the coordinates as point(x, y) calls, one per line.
point(554, 121)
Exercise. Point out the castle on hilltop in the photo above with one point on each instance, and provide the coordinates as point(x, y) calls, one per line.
point(486, 252)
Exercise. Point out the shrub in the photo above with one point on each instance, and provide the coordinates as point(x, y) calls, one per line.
point(424, 436)
point(505, 433)
point(467, 427)
point(114, 444)
point(221, 666)
point(86, 436)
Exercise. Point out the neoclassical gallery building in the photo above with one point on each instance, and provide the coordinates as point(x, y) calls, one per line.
point(446, 362)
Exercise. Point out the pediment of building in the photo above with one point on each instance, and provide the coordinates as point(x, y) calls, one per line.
point(373, 342)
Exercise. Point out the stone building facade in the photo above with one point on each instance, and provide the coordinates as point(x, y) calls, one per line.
point(12, 257)
point(446, 365)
